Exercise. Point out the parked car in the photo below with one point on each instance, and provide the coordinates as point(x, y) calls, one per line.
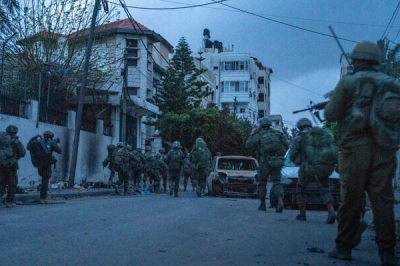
point(233, 176)
point(290, 178)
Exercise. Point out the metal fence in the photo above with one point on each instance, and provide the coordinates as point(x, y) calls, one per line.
point(53, 116)
point(88, 125)
point(14, 107)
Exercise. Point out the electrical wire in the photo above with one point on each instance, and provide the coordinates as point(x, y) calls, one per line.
point(173, 8)
point(287, 24)
point(274, 76)
point(391, 21)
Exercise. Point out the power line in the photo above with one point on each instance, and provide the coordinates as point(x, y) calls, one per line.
point(286, 24)
point(391, 21)
point(274, 76)
point(173, 8)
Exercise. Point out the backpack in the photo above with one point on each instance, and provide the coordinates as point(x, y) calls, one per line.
point(271, 143)
point(377, 106)
point(120, 159)
point(201, 157)
point(174, 159)
point(385, 114)
point(321, 152)
point(40, 153)
point(6, 152)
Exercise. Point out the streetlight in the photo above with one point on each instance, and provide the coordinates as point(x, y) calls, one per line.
point(48, 95)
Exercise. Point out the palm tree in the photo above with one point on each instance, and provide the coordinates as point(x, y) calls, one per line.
point(7, 7)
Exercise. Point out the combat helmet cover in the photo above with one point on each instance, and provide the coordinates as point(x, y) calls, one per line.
point(12, 129)
point(303, 122)
point(367, 50)
point(110, 147)
point(176, 145)
point(48, 133)
point(265, 122)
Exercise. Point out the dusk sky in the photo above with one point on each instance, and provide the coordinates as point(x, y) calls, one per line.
point(290, 36)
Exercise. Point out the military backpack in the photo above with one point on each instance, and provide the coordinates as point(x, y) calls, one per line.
point(120, 159)
point(6, 152)
point(377, 105)
point(40, 152)
point(175, 157)
point(321, 152)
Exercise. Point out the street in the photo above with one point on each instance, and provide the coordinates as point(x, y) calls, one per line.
point(158, 229)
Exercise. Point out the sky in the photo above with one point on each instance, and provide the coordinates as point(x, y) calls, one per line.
point(290, 36)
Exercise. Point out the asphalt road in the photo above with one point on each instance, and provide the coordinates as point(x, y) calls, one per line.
point(161, 230)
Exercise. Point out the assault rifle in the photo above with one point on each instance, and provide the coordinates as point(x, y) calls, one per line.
point(314, 109)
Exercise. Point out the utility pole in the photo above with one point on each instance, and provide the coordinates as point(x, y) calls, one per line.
point(2, 60)
point(82, 95)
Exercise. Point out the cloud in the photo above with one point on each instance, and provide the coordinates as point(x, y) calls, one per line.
point(296, 94)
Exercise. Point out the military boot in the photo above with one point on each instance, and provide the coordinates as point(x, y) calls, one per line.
point(171, 190)
point(280, 206)
point(263, 206)
point(302, 215)
point(341, 254)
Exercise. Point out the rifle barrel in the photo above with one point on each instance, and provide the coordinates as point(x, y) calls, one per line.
point(302, 110)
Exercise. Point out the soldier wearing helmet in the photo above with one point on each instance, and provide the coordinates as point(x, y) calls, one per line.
point(148, 158)
point(8, 174)
point(300, 157)
point(364, 164)
point(45, 166)
point(201, 159)
point(270, 146)
point(164, 169)
point(108, 162)
point(175, 162)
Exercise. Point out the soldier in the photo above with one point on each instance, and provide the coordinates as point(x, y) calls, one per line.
point(271, 146)
point(108, 162)
point(164, 171)
point(201, 159)
point(187, 171)
point(148, 156)
point(175, 162)
point(8, 171)
point(44, 166)
point(121, 160)
point(152, 171)
point(299, 156)
point(138, 168)
point(364, 163)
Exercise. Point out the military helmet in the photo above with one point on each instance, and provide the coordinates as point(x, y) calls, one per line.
point(120, 145)
point(11, 129)
point(199, 139)
point(129, 147)
point(303, 122)
point(366, 50)
point(176, 145)
point(48, 133)
point(110, 147)
point(265, 122)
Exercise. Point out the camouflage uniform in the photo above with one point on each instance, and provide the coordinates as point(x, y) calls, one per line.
point(138, 168)
point(298, 157)
point(363, 164)
point(174, 174)
point(187, 172)
point(152, 171)
point(148, 156)
point(200, 165)
point(45, 171)
point(8, 175)
point(164, 171)
point(124, 170)
point(265, 171)
point(108, 162)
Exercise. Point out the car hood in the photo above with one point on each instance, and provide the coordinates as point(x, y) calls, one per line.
point(292, 172)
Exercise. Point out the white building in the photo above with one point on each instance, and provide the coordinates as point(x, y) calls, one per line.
point(243, 83)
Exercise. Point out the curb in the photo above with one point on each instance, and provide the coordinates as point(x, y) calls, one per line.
point(66, 193)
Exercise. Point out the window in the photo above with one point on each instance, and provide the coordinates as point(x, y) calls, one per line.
point(235, 86)
point(132, 62)
point(260, 114)
point(261, 97)
point(261, 80)
point(242, 110)
point(235, 65)
point(132, 90)
point(132, 43)
point(132, 48)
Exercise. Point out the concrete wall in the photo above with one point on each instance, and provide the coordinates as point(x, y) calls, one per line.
point(92, 149)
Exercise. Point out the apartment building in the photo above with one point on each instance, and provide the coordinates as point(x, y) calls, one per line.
point(243, 82)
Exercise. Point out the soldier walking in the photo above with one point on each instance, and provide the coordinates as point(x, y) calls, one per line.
point(271, 146)
point(175, 162)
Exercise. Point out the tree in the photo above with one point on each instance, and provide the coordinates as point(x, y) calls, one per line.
point(7, 7)
point(48, 49)
point(390, 58)
point(222, 131)
point(181, 87)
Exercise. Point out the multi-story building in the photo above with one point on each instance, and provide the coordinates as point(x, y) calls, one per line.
point(243, 83)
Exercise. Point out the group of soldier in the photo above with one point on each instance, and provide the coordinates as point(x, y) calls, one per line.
point(160, 172)
point(9, 162)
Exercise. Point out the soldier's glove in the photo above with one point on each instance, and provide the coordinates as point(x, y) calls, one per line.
point(57, 140)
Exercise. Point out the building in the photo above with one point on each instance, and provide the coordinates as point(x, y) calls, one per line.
point(243, 82)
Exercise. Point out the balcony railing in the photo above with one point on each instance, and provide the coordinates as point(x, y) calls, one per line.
point(53, 116)
point(14, 107)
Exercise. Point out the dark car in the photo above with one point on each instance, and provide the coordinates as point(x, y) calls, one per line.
point(233, 176)
point(290, 178)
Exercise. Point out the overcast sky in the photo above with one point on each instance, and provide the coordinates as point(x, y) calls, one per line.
point(288, 36)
